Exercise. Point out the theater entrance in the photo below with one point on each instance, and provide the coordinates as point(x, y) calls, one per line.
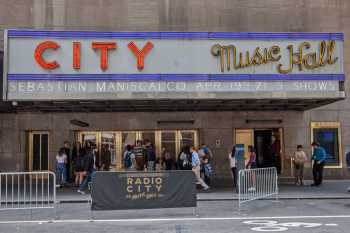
point(267, 144)
point(163, 141)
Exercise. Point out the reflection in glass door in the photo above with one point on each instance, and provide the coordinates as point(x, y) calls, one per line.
point(168, 143)
point(109, 139)
point(89, 137)
point(188, 138)
point(170, 140)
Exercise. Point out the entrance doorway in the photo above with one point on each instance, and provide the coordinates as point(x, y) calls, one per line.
point(267, 144)
point(163, 140)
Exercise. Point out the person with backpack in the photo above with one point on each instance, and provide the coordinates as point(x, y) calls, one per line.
point(196, 164)
point(129, 159)
point(184, 159)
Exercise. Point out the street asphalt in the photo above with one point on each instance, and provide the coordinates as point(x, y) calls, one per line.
point(321, 216)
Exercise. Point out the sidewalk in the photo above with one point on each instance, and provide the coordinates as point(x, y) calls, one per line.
point(332, 189)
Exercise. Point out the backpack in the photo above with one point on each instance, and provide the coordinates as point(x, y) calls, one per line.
point(127, 160)
point(208, 169)
point(186, 162)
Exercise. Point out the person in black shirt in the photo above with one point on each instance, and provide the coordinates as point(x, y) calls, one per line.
point(150, 156)
point(88, 169)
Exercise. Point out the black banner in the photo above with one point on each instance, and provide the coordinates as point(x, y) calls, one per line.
point(143, 190)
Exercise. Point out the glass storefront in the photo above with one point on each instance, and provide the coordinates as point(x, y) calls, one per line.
point(170, 141)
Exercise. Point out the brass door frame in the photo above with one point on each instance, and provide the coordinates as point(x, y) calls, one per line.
point(329, 125)
point(30, 148)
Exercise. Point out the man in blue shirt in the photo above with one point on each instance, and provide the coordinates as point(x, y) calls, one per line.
point(319, 158)
point(196, 168)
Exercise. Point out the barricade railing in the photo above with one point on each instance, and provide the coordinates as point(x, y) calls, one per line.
point(27, 190)
point(256, 184)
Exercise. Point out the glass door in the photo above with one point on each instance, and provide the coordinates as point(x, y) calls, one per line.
point(108, 142)
point(168, 145)
point(39, 151)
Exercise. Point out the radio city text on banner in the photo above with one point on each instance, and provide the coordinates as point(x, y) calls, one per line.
point(230, 56)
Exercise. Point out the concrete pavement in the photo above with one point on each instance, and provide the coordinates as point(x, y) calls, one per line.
point(331, 189)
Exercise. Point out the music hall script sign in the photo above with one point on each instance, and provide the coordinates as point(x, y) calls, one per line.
point(143, 190)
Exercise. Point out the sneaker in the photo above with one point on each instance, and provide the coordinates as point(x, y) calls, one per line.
point(58, 186)
point(81, 192)
point(206, 189)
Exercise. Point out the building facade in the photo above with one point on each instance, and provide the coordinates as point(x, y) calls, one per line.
point(33, 129)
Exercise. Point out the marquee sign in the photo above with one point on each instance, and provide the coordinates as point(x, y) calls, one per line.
point(52, 64)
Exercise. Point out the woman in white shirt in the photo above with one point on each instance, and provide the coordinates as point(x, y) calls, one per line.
point(232, 160)
point(61, 172)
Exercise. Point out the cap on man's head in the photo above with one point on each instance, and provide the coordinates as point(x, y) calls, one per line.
point(314, 144)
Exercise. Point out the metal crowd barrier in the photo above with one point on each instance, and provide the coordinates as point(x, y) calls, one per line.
point(256, 184)
point(27, 190)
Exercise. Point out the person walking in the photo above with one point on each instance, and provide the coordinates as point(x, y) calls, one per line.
point(139, 152)
point(347, 157)
point(88, 170)
point(61, 171)
point(129, 159)
point(196, 164)
point(299, 160)
point(319, 159)
point(233, 166)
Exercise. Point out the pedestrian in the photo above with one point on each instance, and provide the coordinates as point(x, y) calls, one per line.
point(347, 157)
point(252, 165)
point(319, 159)
point(79, 167)
point(206, 167)
point(184, 159)
point(129, 159)
point(299, 160)
point(139, 152)
point(167, 161)
point(150, 156)
point(105, 157)
point(88, 169)
point(61, 172)
point(252, 158)
point(233, 166)
point(196, 168)
point(67, 151)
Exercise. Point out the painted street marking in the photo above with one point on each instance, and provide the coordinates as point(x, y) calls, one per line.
point(175, 219)
point(275, 226)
